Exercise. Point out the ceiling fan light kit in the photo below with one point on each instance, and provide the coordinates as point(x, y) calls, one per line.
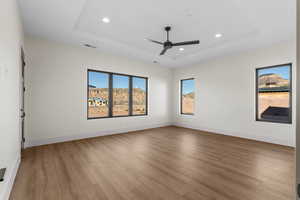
point(168, 44)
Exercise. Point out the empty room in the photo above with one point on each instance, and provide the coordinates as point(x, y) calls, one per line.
point(149, 100)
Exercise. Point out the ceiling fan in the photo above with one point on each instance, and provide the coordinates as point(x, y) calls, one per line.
point(168, 44)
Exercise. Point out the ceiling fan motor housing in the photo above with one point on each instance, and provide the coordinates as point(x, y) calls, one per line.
point(168, 28)
point(168, 44)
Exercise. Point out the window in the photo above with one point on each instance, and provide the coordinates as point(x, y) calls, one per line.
point(187, 96)
point(98, 94)
point(274, 94)
point(139, 96)
point(116, 95)
point(120, 95)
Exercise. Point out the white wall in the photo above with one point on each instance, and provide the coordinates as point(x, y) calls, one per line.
point(225, 95)
point(10, 45)
point(56, 89)
point(57, 92)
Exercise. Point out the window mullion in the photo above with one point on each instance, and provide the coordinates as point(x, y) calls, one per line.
point(130, 95)
point(110, 94)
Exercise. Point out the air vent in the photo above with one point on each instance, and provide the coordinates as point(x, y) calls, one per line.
point(90, 46)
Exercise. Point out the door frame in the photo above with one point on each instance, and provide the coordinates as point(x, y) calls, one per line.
point(22, 105)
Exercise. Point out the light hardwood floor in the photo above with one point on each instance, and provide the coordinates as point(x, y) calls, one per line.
point(165, 163)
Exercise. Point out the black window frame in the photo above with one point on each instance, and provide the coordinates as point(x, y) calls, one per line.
point(181, 81)
point(290, 95)
point(110, 95)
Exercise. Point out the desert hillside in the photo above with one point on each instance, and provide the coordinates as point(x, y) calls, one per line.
point(189, 95)
point(98, 92)
point(120, 95)
point(188, 103)
point(120, 101)
point(271, 81)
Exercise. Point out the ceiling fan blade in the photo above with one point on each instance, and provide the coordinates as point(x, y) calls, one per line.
point(163, 51)
point(157, 42)
point(186, 43)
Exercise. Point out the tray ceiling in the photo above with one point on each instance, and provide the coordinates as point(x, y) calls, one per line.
point(243, 24)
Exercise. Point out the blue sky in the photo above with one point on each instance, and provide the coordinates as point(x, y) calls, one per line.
point(188, 86)
point(120, 81)
point(139, 83)
point(100, 80)
point(283, 71)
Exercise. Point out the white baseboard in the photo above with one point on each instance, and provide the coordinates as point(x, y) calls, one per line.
point(235, 134)
point(9, 179)
point(31, 143)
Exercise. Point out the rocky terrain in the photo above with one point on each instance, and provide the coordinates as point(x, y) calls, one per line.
point(188, 103)
point(120, 101)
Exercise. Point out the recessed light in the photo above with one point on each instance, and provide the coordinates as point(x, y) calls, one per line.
point(181, 49)
point(218, 35)
point(105, 20)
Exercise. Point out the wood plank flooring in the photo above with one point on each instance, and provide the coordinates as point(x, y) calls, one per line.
point(169, 163)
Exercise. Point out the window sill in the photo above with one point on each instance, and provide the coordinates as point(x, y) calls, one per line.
point(186, 114)
point(272, 121)
point(116, 117)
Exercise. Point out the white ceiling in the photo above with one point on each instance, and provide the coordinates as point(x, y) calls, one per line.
point(245, 24)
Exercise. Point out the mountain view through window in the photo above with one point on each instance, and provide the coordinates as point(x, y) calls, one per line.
point(274, 93)
point(187, 96)
point(115, 95)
